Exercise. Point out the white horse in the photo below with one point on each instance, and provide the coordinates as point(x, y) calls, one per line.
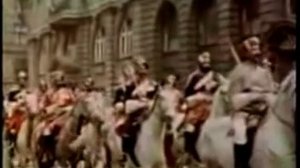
point(275, 140)
point(23, 154)
point(91, 138)
point(215, 145)
point(149, 148)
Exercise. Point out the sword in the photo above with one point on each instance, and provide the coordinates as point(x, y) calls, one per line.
point(234, 53)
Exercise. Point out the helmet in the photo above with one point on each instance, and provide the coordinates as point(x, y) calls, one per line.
point(22, 74)
point(140, 64)
point(281, 36)
point(289, 43)
point(15, 88)
point(13, 92)
point(252, 45)
point(43, 83)
point(89, 82)
point(57, 77)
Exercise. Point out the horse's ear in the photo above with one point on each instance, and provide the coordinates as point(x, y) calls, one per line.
point(80, 108)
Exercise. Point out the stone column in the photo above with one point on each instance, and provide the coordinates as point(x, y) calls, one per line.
point(33, 61)
point(109, 70)
point(46, 64)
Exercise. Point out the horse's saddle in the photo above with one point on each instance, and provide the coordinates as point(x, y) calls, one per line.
point(15, 121)
point(56, 121)
point(127, 123)
point(198, 109)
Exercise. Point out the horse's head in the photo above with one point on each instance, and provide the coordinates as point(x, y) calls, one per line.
point(95, 107)
point(169, 102)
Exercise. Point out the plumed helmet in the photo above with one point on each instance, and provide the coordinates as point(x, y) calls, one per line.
point(89, 82)
point(281, 36)
point(58, 74)
point(14, 88)
point(22, 74)
point(289, 43)
point(141, 65)
point(13, 92)
point(42, 83)
point(57, 77)
point(203, 54)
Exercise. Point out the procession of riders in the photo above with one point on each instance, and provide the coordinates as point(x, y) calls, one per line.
point(49, 105)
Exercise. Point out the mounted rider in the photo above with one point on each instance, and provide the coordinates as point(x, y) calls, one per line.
point(89, 84)
point(170, 87)
point(87, 92)
point(61, 102)
point(15, 113)
point(134, 99)
point(17, 106)
point(22, 81)
point(199, 89)
point(250, 92)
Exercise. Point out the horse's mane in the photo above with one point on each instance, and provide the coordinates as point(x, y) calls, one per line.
point(287, 94)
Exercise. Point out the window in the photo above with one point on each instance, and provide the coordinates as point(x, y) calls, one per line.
point(169, 36)
point(248, 17)
point(207, 27)
point(168, 27)
point(125, 40)
point(291, 7)
point(69, 47)
point(99, 46)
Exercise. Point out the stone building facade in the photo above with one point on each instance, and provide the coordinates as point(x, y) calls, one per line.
point(14, 46)
point(97, 37)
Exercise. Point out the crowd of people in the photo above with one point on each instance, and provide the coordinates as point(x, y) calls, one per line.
point(250, 92)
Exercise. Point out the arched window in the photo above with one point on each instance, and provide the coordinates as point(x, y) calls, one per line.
point(206, 18)
point(125, 39)
point(248, 16)
point(69, 40)
point(99, 46)
point(291, 7)
point(168, 25)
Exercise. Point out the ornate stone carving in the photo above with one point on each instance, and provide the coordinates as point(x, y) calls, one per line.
point(64, 54)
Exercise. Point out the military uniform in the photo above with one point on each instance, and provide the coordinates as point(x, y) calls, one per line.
point(248, 83)
point(250, 93)
point(199, 91)
point(134, 99)
point(16, 113)
point(59, 101)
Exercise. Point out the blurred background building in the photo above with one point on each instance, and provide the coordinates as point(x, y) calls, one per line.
point(14, 32)
point(96, 37)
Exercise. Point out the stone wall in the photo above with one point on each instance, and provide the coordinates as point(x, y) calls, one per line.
point(145, 15)
point(13, 47)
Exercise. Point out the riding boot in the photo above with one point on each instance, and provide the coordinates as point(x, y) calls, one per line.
point(190, 143)
point(240, 156)
point(242, 153)
point(128, 145)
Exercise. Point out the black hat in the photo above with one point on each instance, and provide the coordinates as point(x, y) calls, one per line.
point(281, 36)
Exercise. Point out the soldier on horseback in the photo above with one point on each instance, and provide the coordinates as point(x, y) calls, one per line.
point(17, 108)
point(61, 99)
point(89, 84)
point(278, 151)
point(134, 98)
point(250, 89)
point(200, 87)
point(15, 113)
point(22, 81)
point(171, 81)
